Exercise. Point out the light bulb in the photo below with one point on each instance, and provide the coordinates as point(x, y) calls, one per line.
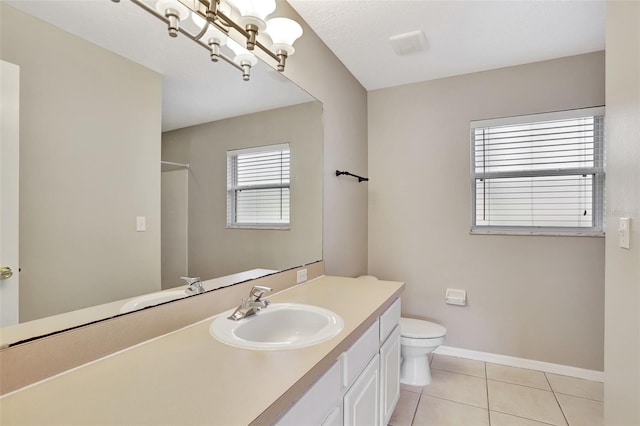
point(225, 8)
point(242, 54)
point(259, 9)
point(243, 57)
point(283, 33)
point(252, 16)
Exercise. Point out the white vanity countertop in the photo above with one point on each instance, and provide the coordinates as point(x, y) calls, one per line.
point(188, 377)
point(40, 327)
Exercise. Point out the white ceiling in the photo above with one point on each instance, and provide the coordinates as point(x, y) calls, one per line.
point(195, 90)
point(463, 36)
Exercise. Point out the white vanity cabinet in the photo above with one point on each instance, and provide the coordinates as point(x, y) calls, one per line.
point(321, 404)
point(362, 387)
point(389, 361)
point(361, 379)
point(389, 375)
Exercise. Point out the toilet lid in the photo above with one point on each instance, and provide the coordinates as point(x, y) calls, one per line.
point(419, 329)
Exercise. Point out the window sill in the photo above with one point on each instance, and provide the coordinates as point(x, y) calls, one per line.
point(543, 233)
point(265, 227)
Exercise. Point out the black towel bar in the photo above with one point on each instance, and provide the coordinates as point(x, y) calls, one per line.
point(360, 178)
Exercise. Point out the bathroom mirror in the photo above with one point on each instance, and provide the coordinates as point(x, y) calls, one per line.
point(105, 97)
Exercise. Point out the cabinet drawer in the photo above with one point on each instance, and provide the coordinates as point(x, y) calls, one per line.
point(356, 358)
point(317, 402)
point(389, 319)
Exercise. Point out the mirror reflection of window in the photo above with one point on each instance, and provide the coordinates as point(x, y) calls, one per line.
point(258, 187)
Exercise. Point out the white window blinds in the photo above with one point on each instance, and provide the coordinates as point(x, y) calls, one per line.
point(258, 193)
point(539, 173)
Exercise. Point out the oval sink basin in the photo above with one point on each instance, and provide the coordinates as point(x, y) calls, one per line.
point(152, 300)
point(279, 326)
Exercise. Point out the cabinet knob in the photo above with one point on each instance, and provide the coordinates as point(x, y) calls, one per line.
point(5, 272)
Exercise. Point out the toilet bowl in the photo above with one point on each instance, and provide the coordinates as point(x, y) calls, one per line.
point(417, 339)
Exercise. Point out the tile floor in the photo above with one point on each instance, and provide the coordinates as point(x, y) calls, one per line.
point(465, 392)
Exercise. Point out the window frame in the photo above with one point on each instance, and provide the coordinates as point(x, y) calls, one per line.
point(598, 172)
point(233, 188)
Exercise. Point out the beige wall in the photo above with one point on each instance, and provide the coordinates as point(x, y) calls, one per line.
point(215, 250)
point(315, 68)
point(532, 297)
point(87, 169)
point(175, 221)
point(622, 279)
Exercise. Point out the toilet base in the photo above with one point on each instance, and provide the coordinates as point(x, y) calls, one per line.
point(415, 371)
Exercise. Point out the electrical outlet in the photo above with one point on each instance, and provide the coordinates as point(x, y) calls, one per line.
point(302, 276)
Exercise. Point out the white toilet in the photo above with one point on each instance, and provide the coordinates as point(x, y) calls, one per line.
point(417, 339)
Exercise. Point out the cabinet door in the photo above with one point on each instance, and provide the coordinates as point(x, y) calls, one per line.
point(334, 418)
point(389, 375)
point(318, 402)
point(362, 401)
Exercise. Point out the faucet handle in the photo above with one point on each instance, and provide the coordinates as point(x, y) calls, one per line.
point(191, 280)
point(257, 291)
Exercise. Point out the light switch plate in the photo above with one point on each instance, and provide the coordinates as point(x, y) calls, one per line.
point(141, 223)
point(624, 229)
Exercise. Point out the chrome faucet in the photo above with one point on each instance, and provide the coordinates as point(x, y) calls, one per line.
point(195, 285)
point(251, 304)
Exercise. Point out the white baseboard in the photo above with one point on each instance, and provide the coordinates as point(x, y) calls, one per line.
point(530, 364)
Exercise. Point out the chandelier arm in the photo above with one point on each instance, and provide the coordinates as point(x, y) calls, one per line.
point(267, 51)
point(221, 55)
point(204, 29)
point(218, 26)
point(224, 57)
point(212, 8)
point(246, 35)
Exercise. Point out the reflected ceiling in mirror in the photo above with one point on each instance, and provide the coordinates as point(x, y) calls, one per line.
point(102, 102)
point(194, 90)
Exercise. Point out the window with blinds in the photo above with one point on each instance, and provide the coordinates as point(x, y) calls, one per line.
point(539, 174)
point(258, 193)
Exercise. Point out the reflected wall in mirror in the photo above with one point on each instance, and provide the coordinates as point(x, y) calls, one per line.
point(105, 95)
point(212, 247)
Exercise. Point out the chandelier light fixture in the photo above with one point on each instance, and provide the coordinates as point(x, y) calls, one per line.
point(215, 20)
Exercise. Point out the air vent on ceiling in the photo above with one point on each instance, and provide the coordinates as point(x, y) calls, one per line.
point(409, 43)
